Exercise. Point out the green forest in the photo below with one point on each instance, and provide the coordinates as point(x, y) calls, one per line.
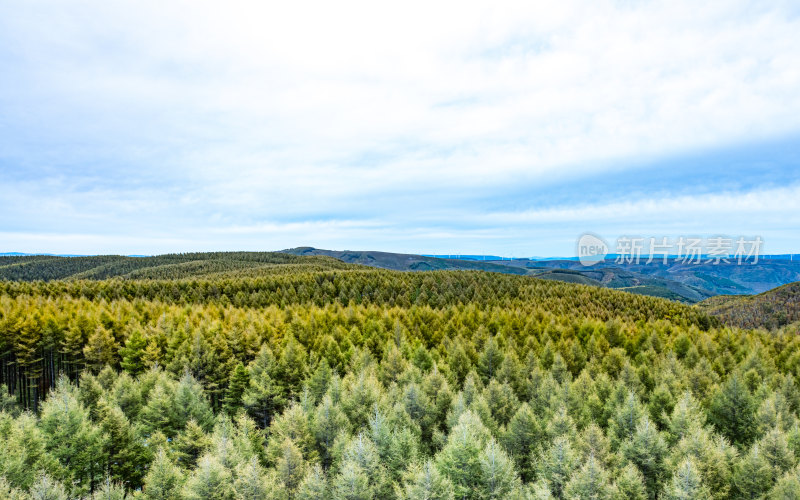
point(244, 377)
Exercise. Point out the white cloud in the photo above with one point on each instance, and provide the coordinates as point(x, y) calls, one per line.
point(250, 113)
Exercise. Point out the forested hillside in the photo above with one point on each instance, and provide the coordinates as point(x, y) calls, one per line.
point(339, 382)
point(169, 266)
point(772, 309)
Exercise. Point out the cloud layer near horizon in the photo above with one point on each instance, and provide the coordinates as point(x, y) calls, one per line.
point(453, 127)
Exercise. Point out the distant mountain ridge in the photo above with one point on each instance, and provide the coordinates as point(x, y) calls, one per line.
point(674, 280)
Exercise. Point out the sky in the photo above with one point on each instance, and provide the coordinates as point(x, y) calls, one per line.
point(505, 128)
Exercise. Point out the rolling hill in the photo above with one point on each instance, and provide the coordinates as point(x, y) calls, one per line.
point(171, 266)
point(617, 278)
point(771, 309)
point(715, 279)
point(674, 280)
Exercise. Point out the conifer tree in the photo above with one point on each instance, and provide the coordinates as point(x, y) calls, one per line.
point(210, 479)
point(498, 478)
point(314, 485)
point(591, 481)
point(133, 353)
point(686, 484)
point(190, 444)
point(647, 450)
point(556, 464)
point(251, 482)
point(490, 359)
point(625, 420)
point(163, 480)
point(9, 492)
point(125, 455)
point(351, 483)
point(46, 488)
point(630, 484)
point(72, 438)
point(239, 382)
point(459, 460)
point(752, 475)
point(787, 488)
point(263, 398)
point(24, 454)
point(521, 438)
point(290, 466)
point(686, 415)
point(424, 481)
point(110, 490)
point(101, 349)
point(732, 411)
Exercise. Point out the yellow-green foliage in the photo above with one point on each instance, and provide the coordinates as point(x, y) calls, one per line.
point(353, 383)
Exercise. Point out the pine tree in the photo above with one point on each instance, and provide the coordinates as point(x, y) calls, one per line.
point(556, 464)
point(686, 415)
point(752, 475)
point(501, 400)
point(125, 455)
point(521, 439)
point(72, 438)
point(292, 367)
point(647, 450)
point(8, 492)
point(661, 405)
point(590, 482)
point(158, 414)
point(625, 419)
point(294, 425)
point(775, 448)
point(352, 483)
point(24, 454)
point(314, 485)
point(190, 444)
point(110, 490)
point(191, 403)
point(163, 480)
point(592, 443)
point(210, 479)
point(787, 488)
point(318, 381)
point(425, 482)
point(239, 382)
point(251, 482)
point(290, 466)
point(686, 484)
point(101, 349)
point(711, 454)
point(329, 420)
point(45, 488)
point(732, 412)
point(490, 359)
point(630, 484)
point(263, 398)
point(127, 394)
point(8, 402)
point(498, 478)
point(133, 353)
point(459, 460)
point(404, 449)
